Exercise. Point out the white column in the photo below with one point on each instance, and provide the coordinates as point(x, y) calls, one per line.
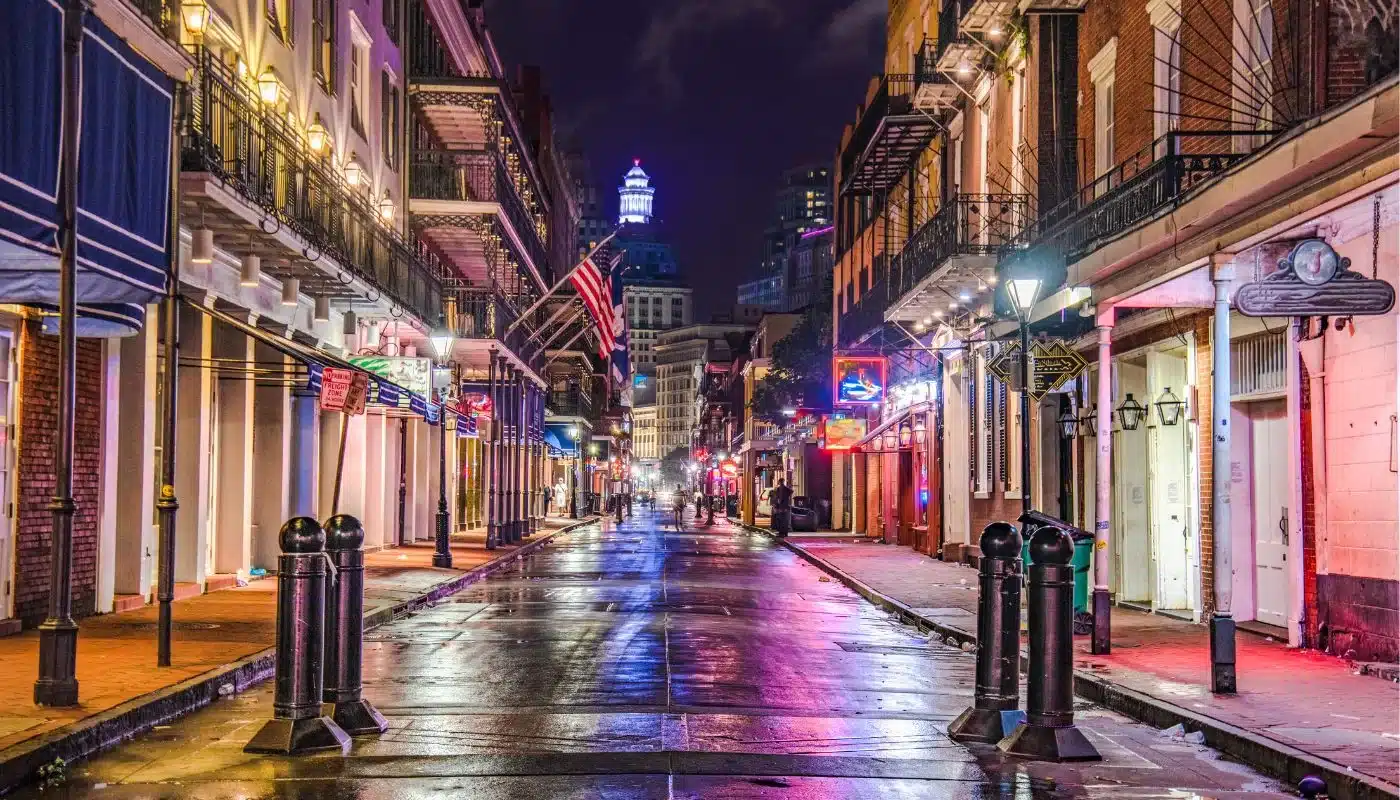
point(304, 455)
point(193, 443)
point(352, 481)
point(1222, 625)
point(329, 456)
point(111, 467)
point(1103, 483)
point(422, 498)
point(412, 455)
point(272, 446)
point(395, 440)
point(378, 529)
point(135, 390)
point(1295, 495)
point(233, 543)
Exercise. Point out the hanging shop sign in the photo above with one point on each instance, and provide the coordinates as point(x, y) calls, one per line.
point(413, 374)
point(344, 390)
point(387, 394)
point(1053, 364)
point(1313, 280)
point(476, 398)
point(313, 377)
point(467, 427)
point(859, 380)
point(840, 432)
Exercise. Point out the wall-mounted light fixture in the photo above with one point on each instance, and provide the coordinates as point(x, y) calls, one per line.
point(269, 88)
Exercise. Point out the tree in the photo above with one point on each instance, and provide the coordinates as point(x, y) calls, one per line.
point(799, 372)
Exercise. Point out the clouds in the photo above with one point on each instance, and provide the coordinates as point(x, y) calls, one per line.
point(673, 27)
point(852, 33)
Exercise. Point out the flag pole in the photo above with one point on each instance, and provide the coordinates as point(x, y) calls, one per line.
point(552, 319)
point(577, 313)
point(560, 284)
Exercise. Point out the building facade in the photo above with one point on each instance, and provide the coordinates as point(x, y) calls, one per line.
point(1102, 155)
point(681, 356)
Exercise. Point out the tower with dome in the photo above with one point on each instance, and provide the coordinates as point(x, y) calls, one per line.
point(635, 195)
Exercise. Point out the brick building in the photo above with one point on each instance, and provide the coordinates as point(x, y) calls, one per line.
point(1141, 161)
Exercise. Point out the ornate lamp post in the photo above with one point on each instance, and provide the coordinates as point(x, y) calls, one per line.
point(441, 339)
point(1023, 289)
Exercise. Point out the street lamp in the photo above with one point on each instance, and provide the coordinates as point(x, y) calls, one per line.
point(1069, 423)
point(1169, 407)
point(1022, 287)
point(441, 340)
point(1131, 413)
point(269, 88)
point(195, 15)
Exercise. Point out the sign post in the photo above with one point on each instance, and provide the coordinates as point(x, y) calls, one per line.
point(346, 391)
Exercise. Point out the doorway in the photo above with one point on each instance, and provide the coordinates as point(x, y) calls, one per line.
point(1260, 492)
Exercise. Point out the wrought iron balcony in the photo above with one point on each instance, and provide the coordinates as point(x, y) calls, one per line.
point(865, 316)
point(163, 15)
point(230, 135)
point(970, 224)
point(889, 136)
point(486, 313)
point(1153, 179)
point(429, 58)
point(573, 402)
point(476, 176)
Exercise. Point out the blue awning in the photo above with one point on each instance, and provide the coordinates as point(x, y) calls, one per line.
point(123, 164)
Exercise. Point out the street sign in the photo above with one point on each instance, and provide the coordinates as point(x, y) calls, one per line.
point(1314, 281)
point(1053, 364)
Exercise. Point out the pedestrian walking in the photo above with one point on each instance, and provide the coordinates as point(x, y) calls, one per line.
point(678, 506)
point(782, 509)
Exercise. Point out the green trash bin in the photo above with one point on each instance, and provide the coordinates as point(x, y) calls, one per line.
point(1083, 563)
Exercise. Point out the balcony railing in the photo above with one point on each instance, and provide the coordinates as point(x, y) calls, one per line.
point(865, 315)
point(475, 175)
point(229, 134)
point(163, 15)
point(1153, 179)
point(970, 224)
point(570, 403)
point(428, 56)
point(484, 313)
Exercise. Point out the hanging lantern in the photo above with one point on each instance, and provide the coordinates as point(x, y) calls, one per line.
point(920, 429)
point(1069, 423)
point(250, 273)
point(906, 434)
point(202, 246)
point(316, 136)
point(269, 88)
point(290, 288)
point(1169, 407)
point(386, 207)
point(1131, 413)
point(1090, 421)
point(354, 173)
point(195, 15)
point(891, 439)
point(321, 311)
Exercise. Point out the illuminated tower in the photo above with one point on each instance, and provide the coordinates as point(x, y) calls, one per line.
point(635, 196)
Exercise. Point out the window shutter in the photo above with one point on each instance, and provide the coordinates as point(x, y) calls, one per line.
point(385, 111)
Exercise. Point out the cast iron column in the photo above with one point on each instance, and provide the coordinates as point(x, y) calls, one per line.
point(508, 489)
point(58, 635)
point(1101, 642)
point(1025, 412)
point(166, 505)
point(403, 479)
point(442, 546)
point(522, 436)
point(493, 478)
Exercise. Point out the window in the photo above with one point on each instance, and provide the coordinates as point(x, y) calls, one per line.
point(1165, 16)
point(1254, 72)
point(1101, 73)
point(389, 121)
point(323, 14)
point(280, 16)
point(391, 19)
point(359, 67)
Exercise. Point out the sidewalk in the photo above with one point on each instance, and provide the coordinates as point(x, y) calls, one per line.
point(1296, 712)
point(222, 643)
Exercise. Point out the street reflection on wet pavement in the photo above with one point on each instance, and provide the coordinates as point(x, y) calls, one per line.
point(641, 663)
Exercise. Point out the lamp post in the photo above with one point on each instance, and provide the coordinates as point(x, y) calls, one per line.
point(573, 476)
point(441, 339)
point(1022, 290)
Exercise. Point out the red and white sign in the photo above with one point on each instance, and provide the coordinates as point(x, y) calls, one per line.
point(344, 390)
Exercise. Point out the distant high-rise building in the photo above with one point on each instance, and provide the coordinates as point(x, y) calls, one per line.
point(801, 204)
point(635, 196)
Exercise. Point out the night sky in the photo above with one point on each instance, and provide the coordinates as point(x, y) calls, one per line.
point(716, 97)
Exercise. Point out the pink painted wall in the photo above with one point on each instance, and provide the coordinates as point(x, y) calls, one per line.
point(1359, 535)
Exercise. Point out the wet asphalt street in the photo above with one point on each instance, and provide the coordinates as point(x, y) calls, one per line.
point(638, 663)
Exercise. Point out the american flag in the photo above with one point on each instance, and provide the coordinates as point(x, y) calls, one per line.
point(594, 284)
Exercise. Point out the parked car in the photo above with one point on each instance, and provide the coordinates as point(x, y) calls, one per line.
point(804, 515)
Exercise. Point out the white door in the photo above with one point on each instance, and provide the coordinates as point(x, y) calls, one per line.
point(1271, 516)
point(7, 462)
point(1170, 486)
point(1133, 554)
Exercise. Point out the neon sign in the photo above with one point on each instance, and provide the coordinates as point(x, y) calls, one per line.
point(859, 381)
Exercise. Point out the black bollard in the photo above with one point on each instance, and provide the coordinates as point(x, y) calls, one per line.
point(995, 707)
point(345, 624)
point(297, 724)
point(1048, 734)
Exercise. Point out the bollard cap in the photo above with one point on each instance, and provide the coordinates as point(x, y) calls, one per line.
point(1051, 545)
point(344, 532)
point(1000, 540)
point(302, 535)
point(1311, 786)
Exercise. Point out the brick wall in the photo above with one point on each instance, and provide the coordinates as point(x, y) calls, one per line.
point(1363, 46)
point(1205, 459)
point(37, 417)
point(1309, 513)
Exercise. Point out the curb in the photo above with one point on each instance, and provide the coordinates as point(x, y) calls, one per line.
point(1278, 760)
point(88, 737)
